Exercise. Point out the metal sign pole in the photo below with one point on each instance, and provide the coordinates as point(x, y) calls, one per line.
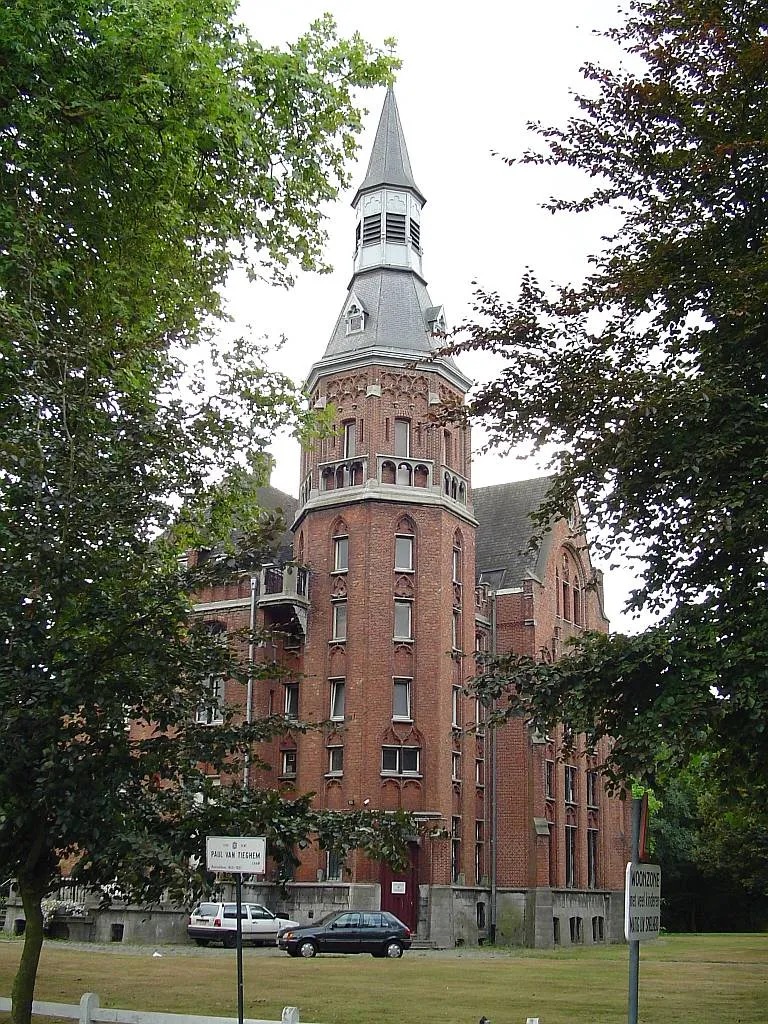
point(634, 946)
point(239, 894)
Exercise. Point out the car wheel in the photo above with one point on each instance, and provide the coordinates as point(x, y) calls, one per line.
point(393, 950)
point(230, 941)
point(307, 949)
point(202, 942)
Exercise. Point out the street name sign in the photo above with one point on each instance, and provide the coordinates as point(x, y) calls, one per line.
point(642, 902)
point(236, 854)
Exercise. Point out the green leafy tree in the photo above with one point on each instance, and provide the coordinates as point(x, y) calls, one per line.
point(649, 381)
point(147, 147)
point(713, 852)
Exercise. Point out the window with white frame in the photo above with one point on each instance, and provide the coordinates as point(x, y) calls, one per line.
point(456, 706)
point(338, 687)
point(404, 620)
point(210, 710)
point(350, 439)
point(355, 319)
point(340, 554)
point(291, 700)
point(335, 760)
point(456, 564)
point(479, 771)
point(288, 762)
point(403, 438)
point(570, 784)
point(401, 699)
point(479, 717)
point(339, 620)
point(403, 553)
point(396, 760)
point(455, 765)
point(456, 630)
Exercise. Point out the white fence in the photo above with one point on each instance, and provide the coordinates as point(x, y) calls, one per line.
point(90, 1012)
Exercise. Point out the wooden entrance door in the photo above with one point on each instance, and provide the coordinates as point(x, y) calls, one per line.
point(400, 889)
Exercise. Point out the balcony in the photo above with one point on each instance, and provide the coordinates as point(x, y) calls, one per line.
point(342, 473)
point(454, 486)
point(402, 472)
point(280, 584)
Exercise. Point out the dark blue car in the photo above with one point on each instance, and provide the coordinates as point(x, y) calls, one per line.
point(352, 931)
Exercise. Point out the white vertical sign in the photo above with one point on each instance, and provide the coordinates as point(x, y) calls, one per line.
point(642, 902)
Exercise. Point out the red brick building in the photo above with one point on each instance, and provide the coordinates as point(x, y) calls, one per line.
point(399, 572)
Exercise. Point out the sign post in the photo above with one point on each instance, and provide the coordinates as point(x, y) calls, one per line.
point(237, 855)
point(642, 907)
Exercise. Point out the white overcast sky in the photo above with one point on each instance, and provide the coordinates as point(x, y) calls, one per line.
point(473, 74)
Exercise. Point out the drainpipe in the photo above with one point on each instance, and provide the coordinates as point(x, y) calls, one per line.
point(494, 789)
point(251, 667)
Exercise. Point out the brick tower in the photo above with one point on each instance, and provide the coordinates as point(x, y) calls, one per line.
point(385, 526)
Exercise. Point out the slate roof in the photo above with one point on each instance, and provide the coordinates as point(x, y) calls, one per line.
point(505, 528)
point(389, 163)
point(396, 304)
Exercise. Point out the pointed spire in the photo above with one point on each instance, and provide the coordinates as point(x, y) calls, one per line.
point(389, 164)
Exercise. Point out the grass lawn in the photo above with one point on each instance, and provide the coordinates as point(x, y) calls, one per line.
point(698, 979)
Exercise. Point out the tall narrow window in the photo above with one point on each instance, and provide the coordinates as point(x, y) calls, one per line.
point(479, 852)
point(456, 707)
point(338, 686)
point(456, 564)
point(455, 765)
point(455, 849)
point(403, 438)
point(350, 439)
point(403, 620)
point(570, 784)
point(401, 699)
point(404, 553)
point(592, 841)
point(570, 855)
point(456, 630)
point(593, 788)
point(210, 711)
point(335, 867)
point(479, 717)
point(340, 620)
point(291, 700)
point(340, 554)
point(549, 779)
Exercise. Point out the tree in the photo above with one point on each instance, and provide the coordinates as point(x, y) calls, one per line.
point(649, 380)
point(146, 148)
point(713, 854)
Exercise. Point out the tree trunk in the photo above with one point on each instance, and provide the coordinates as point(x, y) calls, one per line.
point(23, 989)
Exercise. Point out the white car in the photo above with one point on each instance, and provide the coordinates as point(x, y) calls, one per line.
point(217, 922)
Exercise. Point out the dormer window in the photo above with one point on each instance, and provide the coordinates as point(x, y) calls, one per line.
point(355, 319)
